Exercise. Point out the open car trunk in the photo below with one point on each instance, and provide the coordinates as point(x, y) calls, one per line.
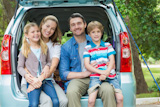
point(90, 13)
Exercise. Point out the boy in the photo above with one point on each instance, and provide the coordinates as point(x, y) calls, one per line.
point(101, 53)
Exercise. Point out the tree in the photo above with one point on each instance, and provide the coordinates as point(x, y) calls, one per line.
point(7, 8)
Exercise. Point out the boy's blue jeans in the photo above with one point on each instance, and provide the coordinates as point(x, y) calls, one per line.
point(48, 88)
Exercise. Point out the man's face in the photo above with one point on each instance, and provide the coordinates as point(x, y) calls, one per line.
point(77, 26)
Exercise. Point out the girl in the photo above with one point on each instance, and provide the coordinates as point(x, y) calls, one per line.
point(35, 57)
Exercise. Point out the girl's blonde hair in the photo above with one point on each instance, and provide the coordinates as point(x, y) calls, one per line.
point(57, 35)
point(26, 46)
point(94, 24)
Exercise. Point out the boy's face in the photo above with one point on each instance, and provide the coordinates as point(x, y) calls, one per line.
point(95, 34)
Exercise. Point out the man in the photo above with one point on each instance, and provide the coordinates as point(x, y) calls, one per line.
point(72, 68)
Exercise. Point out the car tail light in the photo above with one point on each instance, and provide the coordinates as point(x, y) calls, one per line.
point(5, 55)
point(126, 58)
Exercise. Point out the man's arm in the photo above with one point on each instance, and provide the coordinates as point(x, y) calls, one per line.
point(64, 67)
point(77, 75)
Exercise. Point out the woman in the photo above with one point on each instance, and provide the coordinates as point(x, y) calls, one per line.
point(51, 35)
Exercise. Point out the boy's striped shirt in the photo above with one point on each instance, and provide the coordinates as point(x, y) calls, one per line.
point(100, 54)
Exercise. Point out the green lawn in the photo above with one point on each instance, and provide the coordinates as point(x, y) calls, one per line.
point(148, 77)
point(150, 81)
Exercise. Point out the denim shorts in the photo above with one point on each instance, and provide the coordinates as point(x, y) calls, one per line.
point(94, 84)
point(115, 83)
point(94, 81)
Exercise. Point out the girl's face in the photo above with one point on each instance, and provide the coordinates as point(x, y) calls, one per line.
point(96, 34)
point(48, 29)
point(33, 34)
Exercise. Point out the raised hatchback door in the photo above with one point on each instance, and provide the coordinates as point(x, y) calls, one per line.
point(53, 2)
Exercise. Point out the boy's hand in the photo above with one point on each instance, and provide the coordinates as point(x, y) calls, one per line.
point(46, 72)
point(107, 73)
point(102, 77)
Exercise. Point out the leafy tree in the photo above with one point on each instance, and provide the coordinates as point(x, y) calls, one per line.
point(142, 18)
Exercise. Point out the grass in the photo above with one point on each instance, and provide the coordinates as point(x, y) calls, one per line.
point(148, 77)
point(150, 82)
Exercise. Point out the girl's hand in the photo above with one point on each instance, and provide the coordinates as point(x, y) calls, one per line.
point(29, 78)
point(46, 72)
point(102, 77)
point(30, 88)
point(36, 83)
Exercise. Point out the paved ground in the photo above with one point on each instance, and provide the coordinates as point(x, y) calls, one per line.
point(148, 106)
point(148, 102)
point(151, 66)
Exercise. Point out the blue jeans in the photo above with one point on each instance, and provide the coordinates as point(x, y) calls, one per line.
point(48, 88)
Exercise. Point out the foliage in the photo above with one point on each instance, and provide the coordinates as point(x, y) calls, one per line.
point(66, 37)
point(3, 21)
point(154, 87)
point(144, 22)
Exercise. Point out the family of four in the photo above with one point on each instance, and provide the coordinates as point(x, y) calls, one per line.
point(86, 63)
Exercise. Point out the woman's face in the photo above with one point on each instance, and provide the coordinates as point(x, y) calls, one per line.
point(48, 29)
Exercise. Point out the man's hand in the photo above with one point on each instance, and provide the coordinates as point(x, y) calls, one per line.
point(29, 78)
point(86, 74)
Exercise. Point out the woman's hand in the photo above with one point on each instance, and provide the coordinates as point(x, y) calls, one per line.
point(36, 82)
point(46, 72)
point(29, 78)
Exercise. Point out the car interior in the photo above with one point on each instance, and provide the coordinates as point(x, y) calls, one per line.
point(63, 13)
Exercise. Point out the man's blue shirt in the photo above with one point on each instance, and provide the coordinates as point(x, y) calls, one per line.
point(70, 59)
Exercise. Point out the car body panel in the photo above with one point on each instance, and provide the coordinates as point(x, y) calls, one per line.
point(10, 94)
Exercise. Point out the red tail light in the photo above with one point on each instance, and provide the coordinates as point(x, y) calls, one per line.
point(5, 55)
point(126, 59)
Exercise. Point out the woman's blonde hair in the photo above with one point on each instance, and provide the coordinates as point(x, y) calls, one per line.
point(26, 46)
point(94, 24)
point(57, 35)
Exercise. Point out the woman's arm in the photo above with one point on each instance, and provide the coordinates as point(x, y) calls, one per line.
point(54, 64)
point(48, 72)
